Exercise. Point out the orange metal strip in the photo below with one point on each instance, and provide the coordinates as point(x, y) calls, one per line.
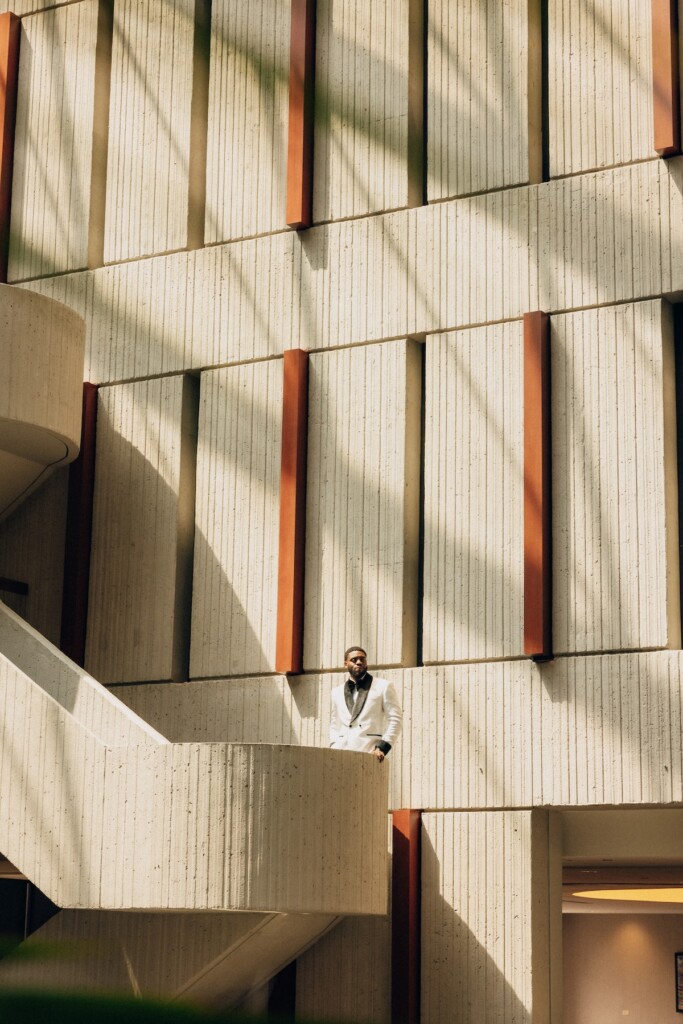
point(405, 917)
point(290, 596)
point(301, 112)
point(537, 488)
point(665, 78)
point(78, 534)
point(9, 73)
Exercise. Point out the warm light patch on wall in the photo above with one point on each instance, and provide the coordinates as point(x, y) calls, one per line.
point(633, 895)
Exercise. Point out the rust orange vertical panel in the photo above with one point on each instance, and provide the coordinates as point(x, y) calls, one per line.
point(290, 596)
point(537, 488)
point(405, 917)
point(665, 78)
point(301, 114)
point(79, 534)
point(9, 73)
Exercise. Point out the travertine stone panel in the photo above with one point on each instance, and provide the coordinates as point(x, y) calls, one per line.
point(477, 96)
point(485, 911)
point(565, 244)
point(361, 125)
point(599, 83)
point(234, 608)
point(362, 495)
point(53, 142)
point(149, 128)
point(347, 975)
point(32, 551)
point(612, 537)
point(595, 730)
point(246, 171)
point(131, 620)
point(474, 492)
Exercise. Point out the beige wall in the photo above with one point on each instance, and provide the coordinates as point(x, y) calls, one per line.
point(581, 241)
point(590, 731)
point(477, 119)
point(248, 119)
point(234, 607)
point(149, 128)
point(140, 536)
point(474, 495)
point(347, 975)
point(32, 552)
point(361, 128)
point(362, 504)
point(486, 941)
point(613, 444)
point(53, 142)
point(600, 83)
point(620, 967)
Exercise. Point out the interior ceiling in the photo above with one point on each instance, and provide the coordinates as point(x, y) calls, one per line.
point(618, 877)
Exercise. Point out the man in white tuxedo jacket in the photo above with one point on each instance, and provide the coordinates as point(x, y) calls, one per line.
point(366, 714)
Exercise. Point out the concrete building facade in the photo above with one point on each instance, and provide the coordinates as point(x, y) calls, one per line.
point(380, 303)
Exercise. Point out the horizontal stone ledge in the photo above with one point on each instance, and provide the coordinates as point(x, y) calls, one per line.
point(599, 238)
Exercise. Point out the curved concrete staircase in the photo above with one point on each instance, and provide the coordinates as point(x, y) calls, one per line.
point(238, 854)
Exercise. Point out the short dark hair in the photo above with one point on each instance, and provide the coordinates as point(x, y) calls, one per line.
point(355, 647)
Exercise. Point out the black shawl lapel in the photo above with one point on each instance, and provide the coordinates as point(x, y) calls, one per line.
point(361, 699)
point(348, 697)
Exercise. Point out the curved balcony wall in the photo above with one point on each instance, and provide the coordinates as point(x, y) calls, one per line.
point(41, 354)
point(150, 825)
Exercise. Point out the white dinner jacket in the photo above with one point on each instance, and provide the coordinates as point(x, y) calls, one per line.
point(376, 715)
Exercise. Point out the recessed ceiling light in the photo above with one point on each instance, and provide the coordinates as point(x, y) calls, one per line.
point(634, 895)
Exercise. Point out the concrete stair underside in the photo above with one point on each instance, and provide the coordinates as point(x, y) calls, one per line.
point(215, 960)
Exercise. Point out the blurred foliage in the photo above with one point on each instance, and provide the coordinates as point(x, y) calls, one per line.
point(24, 1007)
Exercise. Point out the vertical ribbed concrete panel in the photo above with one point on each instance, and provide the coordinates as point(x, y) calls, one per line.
point(599, 83)
point(361, 126)
point(248, 710)
point(614, 523)
point(32, 552)
point(477, 87)
point(246, 168)
point(362, 504)
point(53, 142)
point(563, 245)
point(474, 480)
point(234, 612)
point(485, 955)
point(149, 128)
point(347, 975)
point(131, 613)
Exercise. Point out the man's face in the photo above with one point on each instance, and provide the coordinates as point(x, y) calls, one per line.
point(356, 664)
